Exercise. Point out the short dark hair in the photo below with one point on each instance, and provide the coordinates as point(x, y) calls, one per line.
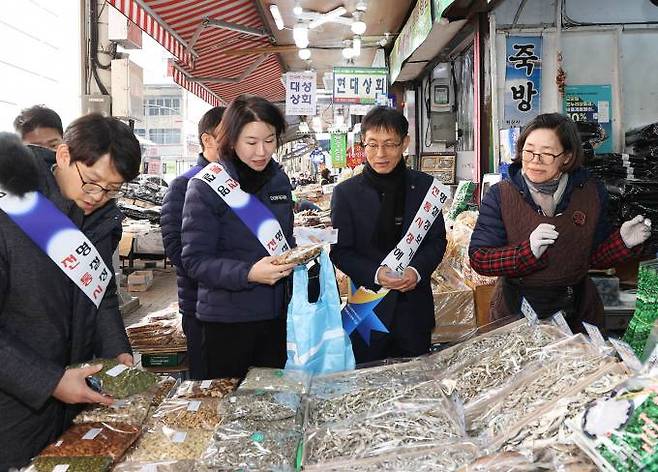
point(386, 118)
point(209, 121)
point(325, 173)
point(38, 116)
point(243, 110)
point(92, 136)
point(566, 131)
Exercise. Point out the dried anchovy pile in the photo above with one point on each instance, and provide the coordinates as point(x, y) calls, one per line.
point(243, 428)
point(218, 388)
point(258, 451)
point(262, 378)
point(378, 433)
point(112, 440)
point(188, 414)
point(131, 410)
point(444, 457)
point(358, 401)
point(484, 346)
point(546, 385)
point(261, 405)
point(550, 427)
point(158, 445)
point(75, 464)
point(157, 466)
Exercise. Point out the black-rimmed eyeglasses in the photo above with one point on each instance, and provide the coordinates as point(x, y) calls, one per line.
point(91, 188)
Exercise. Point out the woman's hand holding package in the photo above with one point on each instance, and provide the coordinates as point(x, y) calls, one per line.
point(634, 232)
point(265, 272)
point(72, 387)
point(542, 236)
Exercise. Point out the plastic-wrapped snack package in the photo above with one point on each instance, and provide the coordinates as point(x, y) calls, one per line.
point(217, 388)
point(186, 414)
point(340, 405)
point(164, 443)
point(119, 380)
point(402, 425)
point(94, 439)
point(70, 464)
point(157, 466)
point(163, 390)
point(131, 410)
point(256, 451)
point(447, 456)
point(262, 405)
point(262, 378)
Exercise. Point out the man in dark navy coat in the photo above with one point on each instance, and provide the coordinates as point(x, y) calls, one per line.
point(372, 211)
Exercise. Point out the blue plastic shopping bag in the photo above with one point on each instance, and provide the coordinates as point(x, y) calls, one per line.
point(316, 341)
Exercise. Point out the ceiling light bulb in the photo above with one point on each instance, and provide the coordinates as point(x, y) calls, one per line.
point(358, 26)
point(356, 46)
point(348, 53)
point(276, 15)
point(297, 9)
point(300, 35)
point(304, 54)
point(361, 5)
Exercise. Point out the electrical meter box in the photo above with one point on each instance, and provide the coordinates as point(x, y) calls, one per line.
point(127, 90)
point(123, 31)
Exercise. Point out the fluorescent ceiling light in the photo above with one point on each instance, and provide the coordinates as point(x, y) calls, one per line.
point(304, 54)
point(300, 35)
point(327, 17)
point(276, 15)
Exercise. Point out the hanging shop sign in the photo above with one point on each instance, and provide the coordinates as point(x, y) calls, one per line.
point(360, 85)
point(438, 7)
point(522, 79)
point(338, 150)
point(591, 103)
point(301, 93)
point(413, 33)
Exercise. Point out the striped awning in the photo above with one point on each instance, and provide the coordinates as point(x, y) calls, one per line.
point(184, 28)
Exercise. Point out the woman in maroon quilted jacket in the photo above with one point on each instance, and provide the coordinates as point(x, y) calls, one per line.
point(544, 227)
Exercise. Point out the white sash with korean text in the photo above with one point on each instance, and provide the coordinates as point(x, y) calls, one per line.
point(251, 211)
point(61, 240)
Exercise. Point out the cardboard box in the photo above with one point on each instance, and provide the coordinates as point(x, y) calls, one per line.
point(140, 281)
point(483, 294)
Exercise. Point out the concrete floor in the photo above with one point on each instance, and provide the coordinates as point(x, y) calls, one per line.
point(160, 295)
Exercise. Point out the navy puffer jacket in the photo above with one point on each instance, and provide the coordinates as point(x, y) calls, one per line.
point(490, 231)
point(171, 221)
point(219, 251)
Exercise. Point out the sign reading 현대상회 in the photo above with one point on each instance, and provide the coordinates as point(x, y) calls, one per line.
point(360, 85)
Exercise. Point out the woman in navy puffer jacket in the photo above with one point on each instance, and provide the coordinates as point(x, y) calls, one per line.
point(242, 296)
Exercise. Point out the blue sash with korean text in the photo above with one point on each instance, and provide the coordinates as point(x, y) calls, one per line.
point(251, 211)
point(60, 239)
point(359, 313)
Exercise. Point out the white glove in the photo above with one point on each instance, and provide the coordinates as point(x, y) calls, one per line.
point(543, 236)
point(635, 231)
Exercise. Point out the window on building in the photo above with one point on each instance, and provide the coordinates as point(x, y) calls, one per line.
point(165, 136)
point(162, 106)
point(140, 132)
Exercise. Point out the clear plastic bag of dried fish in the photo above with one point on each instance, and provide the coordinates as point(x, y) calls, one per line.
point(119, 380)
point(157, 466)
point(445, 457)
point(263, 378)
point(401, 425)
point(217, 388)
point(343, 400)
point(262, 405)
point(256, 451)
point(237, 429)
point(179, 413)
point(69, 464)
point(163, 443)
point(94, 439)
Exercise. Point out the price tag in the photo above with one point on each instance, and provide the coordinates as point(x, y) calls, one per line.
point(627, 354)
point(206, 384)
point(558, 319)
point(179, 437)
point(92, 433)
point(116, 370)
point(529, 312)
point(59, 443)
point(60, 468)
point(594, 334)
point(193, 405)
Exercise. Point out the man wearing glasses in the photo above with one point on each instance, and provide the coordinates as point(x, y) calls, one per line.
point(373, 212)
point(49, 318)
